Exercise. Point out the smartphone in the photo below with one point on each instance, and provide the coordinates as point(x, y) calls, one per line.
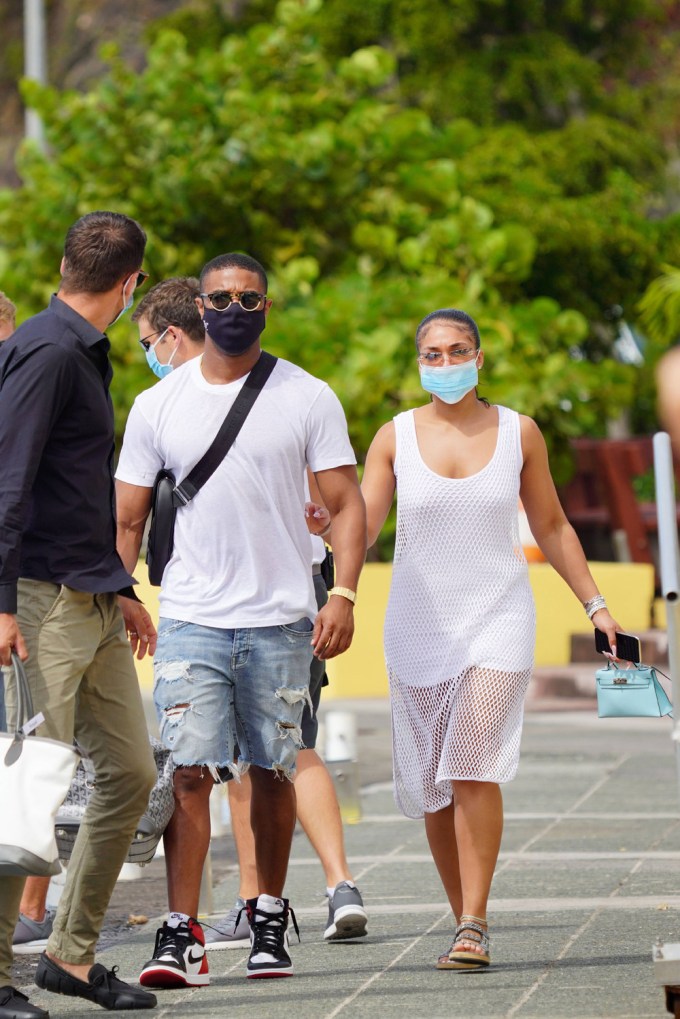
point(627, 646)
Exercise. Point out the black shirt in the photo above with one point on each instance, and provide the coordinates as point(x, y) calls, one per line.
point(57, 512)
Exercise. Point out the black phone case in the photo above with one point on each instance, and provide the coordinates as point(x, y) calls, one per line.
point(627, 646)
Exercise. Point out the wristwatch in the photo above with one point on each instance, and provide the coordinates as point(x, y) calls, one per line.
point(344, 592)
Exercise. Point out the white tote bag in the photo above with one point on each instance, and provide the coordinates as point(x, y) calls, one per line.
point(35, 776)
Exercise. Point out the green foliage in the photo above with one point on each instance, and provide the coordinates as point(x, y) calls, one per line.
point(660, 307)
point(328, 140)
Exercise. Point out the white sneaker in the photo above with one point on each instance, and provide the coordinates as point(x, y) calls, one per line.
point(179, 958)
point(268, 918)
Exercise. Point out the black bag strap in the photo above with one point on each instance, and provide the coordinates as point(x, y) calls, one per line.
point(24, 709)
point(229, 429)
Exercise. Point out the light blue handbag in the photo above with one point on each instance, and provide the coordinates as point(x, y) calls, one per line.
point(630, 693)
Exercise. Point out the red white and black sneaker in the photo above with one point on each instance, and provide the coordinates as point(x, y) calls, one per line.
point(268, 919)
point(179, 958)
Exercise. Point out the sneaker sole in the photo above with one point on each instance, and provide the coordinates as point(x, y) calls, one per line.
point(30, 947)
point(167, 977)
point(218, 946)
point(274, 972)
point(350, 922)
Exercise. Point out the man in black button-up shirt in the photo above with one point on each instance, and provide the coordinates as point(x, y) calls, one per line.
point(56, 448)
point(60, 577)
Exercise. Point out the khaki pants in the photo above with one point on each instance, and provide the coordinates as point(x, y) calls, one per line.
point(83, 679)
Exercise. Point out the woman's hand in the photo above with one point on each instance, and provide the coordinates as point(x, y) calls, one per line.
point(602, 620)
point(318, 518)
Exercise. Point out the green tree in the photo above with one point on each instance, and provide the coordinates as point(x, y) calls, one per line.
point(369, 211)
point(561, 114)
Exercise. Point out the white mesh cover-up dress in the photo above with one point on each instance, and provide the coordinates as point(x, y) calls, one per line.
point(460, 623)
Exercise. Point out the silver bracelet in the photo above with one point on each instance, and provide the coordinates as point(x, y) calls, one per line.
point(322, 534)
point(594, 605)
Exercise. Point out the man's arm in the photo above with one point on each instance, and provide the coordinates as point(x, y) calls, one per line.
point(340, 492)
point(33, 391)
point(133, 504)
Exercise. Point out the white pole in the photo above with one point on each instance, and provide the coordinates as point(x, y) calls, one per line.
point(669, 562)
point(35, 63)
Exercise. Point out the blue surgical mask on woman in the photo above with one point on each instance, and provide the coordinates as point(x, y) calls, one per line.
point(450, 382)
point(161, 370)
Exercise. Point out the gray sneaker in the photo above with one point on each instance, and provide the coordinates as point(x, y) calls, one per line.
point(347, 917)
point(31, 936)
point(232, 931)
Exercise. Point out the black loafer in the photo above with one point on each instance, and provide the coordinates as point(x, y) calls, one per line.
point(103, 986)
point(15, 1005)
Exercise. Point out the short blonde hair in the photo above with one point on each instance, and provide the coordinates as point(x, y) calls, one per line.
point(8, 312)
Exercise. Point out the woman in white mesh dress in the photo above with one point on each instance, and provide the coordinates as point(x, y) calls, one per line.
point(459, 632)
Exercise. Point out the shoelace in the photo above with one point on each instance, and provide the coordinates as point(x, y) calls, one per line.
point(228, 924)
point(169, 937)
point(269, 933)
point(107, 978)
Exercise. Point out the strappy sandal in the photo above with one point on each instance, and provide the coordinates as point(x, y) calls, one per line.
point(465, 959)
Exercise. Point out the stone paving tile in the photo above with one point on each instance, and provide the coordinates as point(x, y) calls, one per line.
point(571, 935)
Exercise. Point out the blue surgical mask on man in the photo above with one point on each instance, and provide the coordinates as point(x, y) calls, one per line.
point(161, 370)
point(126, 306)
point(450, 382)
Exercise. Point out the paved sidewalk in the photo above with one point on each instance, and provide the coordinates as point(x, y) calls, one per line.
point(588, 878)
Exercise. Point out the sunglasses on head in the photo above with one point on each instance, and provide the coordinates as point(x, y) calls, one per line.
point(249, 300)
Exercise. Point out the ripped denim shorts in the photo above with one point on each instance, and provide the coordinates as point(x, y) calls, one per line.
point(215, 689)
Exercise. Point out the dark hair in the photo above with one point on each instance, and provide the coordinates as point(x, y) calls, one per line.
point(456, 317)
point(173, 303)
point(100, 249)
point(7, 310)
point(237, 260)
point(452, 315)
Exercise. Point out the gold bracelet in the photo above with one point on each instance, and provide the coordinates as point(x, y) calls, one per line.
point(344, 592)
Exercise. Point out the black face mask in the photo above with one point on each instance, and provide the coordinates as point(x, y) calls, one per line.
point(234, 330)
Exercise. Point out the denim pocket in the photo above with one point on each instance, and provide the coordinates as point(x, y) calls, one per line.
point(300, 628)
point(167, 626)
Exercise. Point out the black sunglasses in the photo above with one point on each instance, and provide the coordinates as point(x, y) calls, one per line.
point(142, 277)
point(145, 341)
point(249, 300)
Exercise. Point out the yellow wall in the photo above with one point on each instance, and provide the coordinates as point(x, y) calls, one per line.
point(360, 672)
point(149, 596)
point(628, 587)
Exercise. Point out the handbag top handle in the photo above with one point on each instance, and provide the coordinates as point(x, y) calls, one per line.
point(25, 709)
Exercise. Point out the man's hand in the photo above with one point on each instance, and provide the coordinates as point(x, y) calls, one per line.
point(10, 639)
point(140, 629)
point(334, 628)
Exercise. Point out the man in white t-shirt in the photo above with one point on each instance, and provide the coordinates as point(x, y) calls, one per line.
point(236, 633)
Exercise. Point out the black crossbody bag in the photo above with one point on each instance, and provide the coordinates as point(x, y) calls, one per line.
point(167, 497)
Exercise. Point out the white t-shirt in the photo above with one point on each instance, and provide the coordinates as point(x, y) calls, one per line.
point(241, 547)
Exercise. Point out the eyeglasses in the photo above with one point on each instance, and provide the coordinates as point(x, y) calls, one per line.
point(145, 341)
point(435, 358)
point(249, 300)
point(142, 277)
